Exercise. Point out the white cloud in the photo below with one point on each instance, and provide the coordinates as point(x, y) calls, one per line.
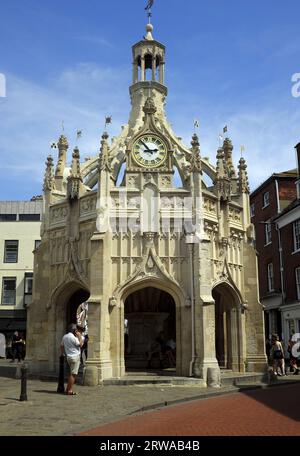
point(32, 114)
point(269, 131)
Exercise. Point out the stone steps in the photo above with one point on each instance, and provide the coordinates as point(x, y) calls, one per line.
point(154, 380)
point(236, 379)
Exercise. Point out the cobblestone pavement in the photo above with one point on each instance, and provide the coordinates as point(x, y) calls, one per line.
point(48, 413)
point(264, 412)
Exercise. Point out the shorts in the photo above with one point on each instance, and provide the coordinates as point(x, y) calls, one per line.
point(74, 363)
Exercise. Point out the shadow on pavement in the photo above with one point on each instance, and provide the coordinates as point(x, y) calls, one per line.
point(284, 399)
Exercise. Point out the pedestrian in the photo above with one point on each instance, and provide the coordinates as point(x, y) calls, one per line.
point(171, 351)
point(277, 355)
point(157, 347)
point(126, 335)
point(17, 347)
point(71, 347)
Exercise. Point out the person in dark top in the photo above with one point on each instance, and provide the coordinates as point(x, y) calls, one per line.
point(17, 347)
point(158, 348)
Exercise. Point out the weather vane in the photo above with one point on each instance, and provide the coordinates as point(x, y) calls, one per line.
point(148, 8)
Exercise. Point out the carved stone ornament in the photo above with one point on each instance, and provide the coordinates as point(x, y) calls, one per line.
point(112, 302)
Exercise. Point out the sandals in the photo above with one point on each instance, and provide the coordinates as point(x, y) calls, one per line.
point(70, 393)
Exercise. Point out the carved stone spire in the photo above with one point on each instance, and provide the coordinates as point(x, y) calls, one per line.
point(49, 183)
point(243, 176)
point(220, 168)
point(62, 156)
point(222, 182)
point(228, 148)
point(75, 178)
point(104, 154)
point(195, 159)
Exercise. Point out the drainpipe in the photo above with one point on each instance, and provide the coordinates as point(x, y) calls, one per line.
point(190, 241)
point(277, 197)
point(281, 273)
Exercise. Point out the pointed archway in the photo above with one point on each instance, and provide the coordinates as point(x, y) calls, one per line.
point(67, 298)
point(228, 335)
point(149, 312)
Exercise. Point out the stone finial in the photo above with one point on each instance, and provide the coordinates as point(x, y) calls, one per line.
point(228, 148)
point(149, 30)
point(75, 167)
point(149, 107)
point(222, 182)
point(195, 159)
point(49, 175)
point(75, 178)
point(63, 143)
point(62, 156)
point(220, 168)
point(104, 153)
point(243, 176)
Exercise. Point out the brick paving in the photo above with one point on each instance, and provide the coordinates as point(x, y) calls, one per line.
point(266, 412)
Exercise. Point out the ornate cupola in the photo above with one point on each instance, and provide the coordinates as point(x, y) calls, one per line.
point(148, 60)
point(148, 75)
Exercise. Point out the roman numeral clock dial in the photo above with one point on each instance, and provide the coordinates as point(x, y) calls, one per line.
point(149, 151)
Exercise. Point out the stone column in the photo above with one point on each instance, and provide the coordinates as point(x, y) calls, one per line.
point(143, 68)
point(98, 366)
point(205, 361)
point(242, 331)
point(162, 72)
point(135, 72)
point(234, 340)
point(153, 68)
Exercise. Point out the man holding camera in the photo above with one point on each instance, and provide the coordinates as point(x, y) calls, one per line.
point(71, 347)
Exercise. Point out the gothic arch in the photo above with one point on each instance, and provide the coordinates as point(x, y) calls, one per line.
point(229, 289)
point(168, 286)
point(117, 309)
point(58, 312)
point(228, 326)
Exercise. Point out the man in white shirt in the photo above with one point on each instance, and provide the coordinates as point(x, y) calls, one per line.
point(71, 347)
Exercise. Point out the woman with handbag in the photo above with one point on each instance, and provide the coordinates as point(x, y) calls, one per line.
point(277, 355)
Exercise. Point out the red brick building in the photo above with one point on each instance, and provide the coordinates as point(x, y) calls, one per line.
point(268, 201)
point(288, 226)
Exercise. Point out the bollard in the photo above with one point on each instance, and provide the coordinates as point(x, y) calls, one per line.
point(23, 396)
point(61, 375)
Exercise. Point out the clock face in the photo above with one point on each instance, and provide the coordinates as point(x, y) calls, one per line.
point(149, 151)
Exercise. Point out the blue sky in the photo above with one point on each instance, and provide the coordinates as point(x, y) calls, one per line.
point(228, 62)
